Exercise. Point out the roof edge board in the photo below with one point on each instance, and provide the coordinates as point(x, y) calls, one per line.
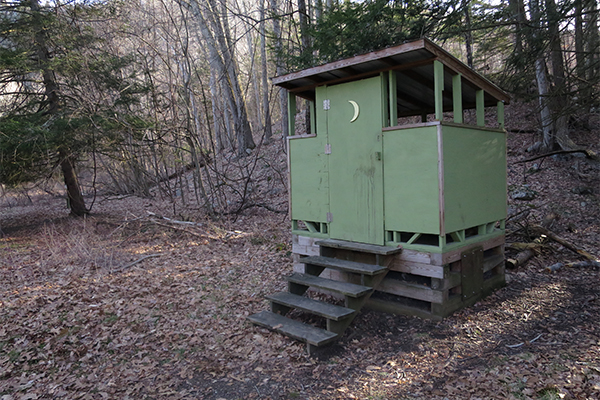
point(362, 75)
point(349, 62)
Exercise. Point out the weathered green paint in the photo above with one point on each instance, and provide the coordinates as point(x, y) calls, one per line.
point(457, 98)
point(313, 126)
point(320, 112)
point(474, 176)
point(500, 112)
point(309, 187)
point(393, 99)
point(411, 189)
point(291, 113)
point(480, 105)
point(438, 88)
point(355, 172)
point(428, 180)
point(385, 112)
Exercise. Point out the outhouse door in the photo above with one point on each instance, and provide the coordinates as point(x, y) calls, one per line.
point(355, 164)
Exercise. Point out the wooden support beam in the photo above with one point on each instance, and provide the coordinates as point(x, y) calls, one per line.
point(457, 98)
point(385, 99)
point(500, 111)
point(313, 117)
point(393, 99)
point(480, 106)
point(291, 113)
point(438, 88)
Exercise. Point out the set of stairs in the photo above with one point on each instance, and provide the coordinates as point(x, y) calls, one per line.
point(337, 255)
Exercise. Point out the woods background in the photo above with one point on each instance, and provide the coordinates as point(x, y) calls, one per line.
point(123, 96)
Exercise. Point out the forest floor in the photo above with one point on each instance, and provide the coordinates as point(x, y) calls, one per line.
point(125, 304)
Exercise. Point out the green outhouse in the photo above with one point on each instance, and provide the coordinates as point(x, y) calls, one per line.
point(403, 166)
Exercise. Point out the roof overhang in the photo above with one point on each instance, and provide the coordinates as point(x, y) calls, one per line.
point(415, 79)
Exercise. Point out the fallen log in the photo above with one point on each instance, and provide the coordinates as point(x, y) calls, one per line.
point(579, 264)
point(588, 153)
point(524, 246)
point(520, 259)
point(553, 236)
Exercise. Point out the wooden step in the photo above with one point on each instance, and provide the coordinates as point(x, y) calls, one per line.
point(294, 329)
point(316, 307)
point(361, 247)
point(343, 265)
point(347, 289)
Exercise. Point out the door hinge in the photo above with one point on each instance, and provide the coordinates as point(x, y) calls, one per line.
point(329, 217)
point(326, 104)
point(328, 148)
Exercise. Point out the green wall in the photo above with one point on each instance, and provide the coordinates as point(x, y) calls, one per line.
point(309, 179)
point(411, 189)
point(474, 177)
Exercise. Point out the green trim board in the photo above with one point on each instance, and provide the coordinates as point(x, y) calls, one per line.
point(457, 98)
point(291, 114)
point(480, 107)
point(438, 88)
point(500, 114)
point(393, 98)
point(442, 246)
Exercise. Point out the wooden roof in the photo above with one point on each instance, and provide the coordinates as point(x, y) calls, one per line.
point(414, 63)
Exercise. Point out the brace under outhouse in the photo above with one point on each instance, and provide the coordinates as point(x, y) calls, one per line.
point(406, 151)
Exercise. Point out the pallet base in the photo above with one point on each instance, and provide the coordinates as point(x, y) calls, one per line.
point(427, 285)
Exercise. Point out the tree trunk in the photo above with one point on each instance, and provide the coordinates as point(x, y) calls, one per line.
point(245, 141)
point(216, 113)
point(280, 70)
point(305, 40)
point(593, 40)
point(256, 86)
point(265, 82)
point(222, 63)
point(76, 202)
point(468, 35)
point(559, 94)
point(518, 10)
point(541, 76)
point(543, 101)
point(583, 87)
point(75, 199)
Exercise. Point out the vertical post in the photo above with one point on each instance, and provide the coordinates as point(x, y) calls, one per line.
point(438, 88)
point(393, 99)
point(457, 98)
point(500, 112)
point(291, 113)
point(480, 104)
point(313, 117)
point(385, 116)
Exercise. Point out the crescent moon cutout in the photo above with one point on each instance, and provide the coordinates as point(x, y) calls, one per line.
point(356, 110)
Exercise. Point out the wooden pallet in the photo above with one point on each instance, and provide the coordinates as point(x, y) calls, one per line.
point(428, 285)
